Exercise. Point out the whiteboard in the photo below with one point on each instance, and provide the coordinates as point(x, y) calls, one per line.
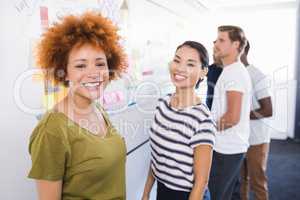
point(130, 100)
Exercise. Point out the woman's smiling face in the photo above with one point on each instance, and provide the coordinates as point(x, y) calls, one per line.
point(87, 71)
point(185, 69)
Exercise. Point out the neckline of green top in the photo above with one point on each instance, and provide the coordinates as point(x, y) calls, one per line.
point(108, 124)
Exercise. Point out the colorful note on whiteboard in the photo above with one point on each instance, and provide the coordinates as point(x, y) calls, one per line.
point(113, 98)
point(147, 72)
point(44, 17)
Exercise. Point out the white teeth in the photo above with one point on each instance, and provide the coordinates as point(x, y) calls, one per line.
point(91, 84)
point(179, 77)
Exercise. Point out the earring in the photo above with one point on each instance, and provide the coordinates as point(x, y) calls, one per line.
point(66, 83)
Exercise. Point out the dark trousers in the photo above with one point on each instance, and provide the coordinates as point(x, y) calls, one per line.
point(164, 193)
point(236, 194)
point(225, 172)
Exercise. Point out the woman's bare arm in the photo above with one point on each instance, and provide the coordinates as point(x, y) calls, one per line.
point(49, 190)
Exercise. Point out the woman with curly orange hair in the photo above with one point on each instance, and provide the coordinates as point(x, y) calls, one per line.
point(76, 152)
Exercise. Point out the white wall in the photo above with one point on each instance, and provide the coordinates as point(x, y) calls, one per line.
point(21, 99)
point(18, 29)
point(15, 125)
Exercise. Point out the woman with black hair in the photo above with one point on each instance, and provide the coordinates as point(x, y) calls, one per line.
point(183, 133)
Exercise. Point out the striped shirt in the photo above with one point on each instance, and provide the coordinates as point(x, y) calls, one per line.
point(173, 135)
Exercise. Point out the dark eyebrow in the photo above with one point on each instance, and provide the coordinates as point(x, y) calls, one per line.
point(79, 60)
point(191, 60)
point(82, 59)
point(176, 56)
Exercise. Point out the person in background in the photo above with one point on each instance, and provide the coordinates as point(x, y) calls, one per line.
point(183, 133)
point(76, 152)
point(214, 72)
point(230, 109)
point(253, 172)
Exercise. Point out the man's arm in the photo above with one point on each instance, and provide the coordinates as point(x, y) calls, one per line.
point(265, 110)
point(233, 113)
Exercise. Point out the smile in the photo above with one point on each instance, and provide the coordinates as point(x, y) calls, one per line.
point(179, 77)
point(91, 85)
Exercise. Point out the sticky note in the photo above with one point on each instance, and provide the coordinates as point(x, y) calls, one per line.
point(44, 17)
point(147, 72)
point(113, 97)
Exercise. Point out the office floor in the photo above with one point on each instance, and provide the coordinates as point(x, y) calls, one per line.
point(284, 170)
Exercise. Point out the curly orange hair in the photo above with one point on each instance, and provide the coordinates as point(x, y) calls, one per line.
point(90, 27)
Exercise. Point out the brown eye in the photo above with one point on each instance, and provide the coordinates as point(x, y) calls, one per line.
point(79, 66)
point(101, 65)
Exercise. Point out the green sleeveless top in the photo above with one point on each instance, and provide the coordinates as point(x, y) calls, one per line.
point(89, 166)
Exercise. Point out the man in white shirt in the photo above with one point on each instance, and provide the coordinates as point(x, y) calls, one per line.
point(255, 164)
point(230, 109)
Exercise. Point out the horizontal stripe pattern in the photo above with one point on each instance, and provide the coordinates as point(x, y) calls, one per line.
point(173, 135)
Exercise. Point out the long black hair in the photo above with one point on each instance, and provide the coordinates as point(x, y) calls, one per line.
point(203, 54)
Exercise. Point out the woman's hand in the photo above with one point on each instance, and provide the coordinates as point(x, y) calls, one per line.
point(197, 192)
point(145, 198)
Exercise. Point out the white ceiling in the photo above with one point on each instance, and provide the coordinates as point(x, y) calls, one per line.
point(186, 8)
point(221, 4)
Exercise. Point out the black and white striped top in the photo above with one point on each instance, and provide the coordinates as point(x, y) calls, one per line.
point(173, 135)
